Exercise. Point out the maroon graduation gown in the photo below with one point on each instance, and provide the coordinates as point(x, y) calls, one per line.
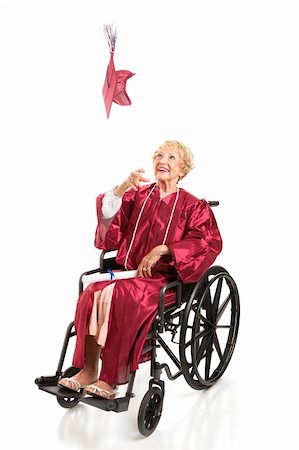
point(194, 241)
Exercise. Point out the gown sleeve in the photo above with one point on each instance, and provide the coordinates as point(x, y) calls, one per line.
point(109, 231)
point(201, 243)
point(110, 205)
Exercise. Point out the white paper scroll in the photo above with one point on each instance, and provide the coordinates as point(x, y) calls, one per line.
point(106, 276)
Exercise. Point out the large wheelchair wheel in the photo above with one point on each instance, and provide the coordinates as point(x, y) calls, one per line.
point(209, 328)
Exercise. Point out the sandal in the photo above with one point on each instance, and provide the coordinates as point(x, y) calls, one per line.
point(72, 384)
point(96, 391)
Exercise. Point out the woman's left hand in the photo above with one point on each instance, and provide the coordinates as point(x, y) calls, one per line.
point(148, 261)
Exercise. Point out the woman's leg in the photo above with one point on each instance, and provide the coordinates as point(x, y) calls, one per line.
point(89, 373)
point(129, 323)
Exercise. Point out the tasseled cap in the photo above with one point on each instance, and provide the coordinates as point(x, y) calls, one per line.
point(114, 89)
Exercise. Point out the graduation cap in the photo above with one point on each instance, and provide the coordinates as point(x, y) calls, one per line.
point(114, 89)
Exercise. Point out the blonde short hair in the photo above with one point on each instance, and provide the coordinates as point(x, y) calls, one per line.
point(185, 154)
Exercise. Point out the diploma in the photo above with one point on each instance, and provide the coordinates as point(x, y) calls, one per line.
point(106, 276)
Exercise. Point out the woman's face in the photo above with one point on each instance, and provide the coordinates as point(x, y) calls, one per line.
point(167, 165)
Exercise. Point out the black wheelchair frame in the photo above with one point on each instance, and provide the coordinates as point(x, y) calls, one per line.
point(205, 343)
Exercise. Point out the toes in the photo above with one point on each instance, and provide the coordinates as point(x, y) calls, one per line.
point(70, 383)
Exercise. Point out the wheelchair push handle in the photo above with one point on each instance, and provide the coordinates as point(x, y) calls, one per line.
point(213, 203)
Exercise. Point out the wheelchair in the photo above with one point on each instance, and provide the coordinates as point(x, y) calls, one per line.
point(203, 323)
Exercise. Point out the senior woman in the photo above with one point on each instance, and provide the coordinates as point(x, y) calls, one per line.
point(163, 232)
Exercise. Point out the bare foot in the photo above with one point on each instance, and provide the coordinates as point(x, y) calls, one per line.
point(81, 379)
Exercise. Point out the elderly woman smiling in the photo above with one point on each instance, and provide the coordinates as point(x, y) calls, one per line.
point(163, 232)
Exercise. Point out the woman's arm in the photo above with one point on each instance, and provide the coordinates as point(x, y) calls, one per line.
point(114, 209)
point(195, 252)
point(200, 246)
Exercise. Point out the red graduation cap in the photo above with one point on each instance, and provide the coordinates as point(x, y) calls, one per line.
point(114, 89)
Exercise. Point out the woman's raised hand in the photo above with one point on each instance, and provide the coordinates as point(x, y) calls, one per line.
point(135, 178)
point(132, 181)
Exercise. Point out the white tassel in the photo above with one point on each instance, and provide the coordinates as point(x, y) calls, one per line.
point(110, 35)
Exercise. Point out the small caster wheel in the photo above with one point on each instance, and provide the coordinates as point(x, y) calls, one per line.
point(68, 402)
point(150, 411)
point(70, 372)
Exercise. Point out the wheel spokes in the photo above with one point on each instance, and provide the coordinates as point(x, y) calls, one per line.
point(198, 335)
point(202, 348)
point(208, 337)
point(217, 297)
point(223, 307)
point(205, 320)
point(152, 412)
point(213, 325)
point(217, 347)
point(208, 358)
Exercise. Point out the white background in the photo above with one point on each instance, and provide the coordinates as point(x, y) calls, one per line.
point(222, 76)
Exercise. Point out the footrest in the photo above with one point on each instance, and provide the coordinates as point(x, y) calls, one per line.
point(117, 405)
point(60, 391)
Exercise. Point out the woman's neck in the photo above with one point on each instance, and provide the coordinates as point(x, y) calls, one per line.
point(167, 187)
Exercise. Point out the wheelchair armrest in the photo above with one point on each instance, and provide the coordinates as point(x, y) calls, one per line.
point(89, 272)
point(161, 308)
point(108, 260)
point(104, 264)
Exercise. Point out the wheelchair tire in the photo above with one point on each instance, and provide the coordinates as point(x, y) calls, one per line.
point(150, 411)
point(70, 372)
point(68, 402)
point(209, 328)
